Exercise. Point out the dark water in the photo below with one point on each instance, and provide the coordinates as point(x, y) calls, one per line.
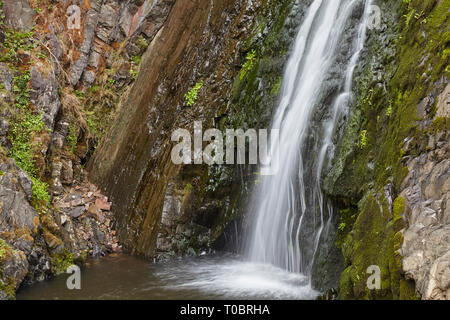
point(206, 277)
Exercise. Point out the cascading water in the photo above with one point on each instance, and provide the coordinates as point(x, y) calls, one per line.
point(289, 210)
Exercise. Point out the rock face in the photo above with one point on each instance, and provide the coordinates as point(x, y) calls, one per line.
point(18, 15)
point(426, 191)
point(391, 169)
point(35, 246)
point(168, 209)
point(133, 163)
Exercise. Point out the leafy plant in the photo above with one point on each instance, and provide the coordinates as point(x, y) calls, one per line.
point(14, 42)
point(26, 126)
point(362, 140)
point(79, 94)
point(249, 63)
point(192, 94)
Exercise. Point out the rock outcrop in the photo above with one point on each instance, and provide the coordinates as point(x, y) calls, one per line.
point(426, 194)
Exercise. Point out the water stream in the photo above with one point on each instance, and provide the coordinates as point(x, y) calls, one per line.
point(289, 212)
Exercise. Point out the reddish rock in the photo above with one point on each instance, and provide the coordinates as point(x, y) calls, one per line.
point(103, 204)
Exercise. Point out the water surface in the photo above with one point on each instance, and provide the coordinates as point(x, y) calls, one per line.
point(205, 277)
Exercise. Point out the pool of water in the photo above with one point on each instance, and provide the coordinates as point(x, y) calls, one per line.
point(205, 277)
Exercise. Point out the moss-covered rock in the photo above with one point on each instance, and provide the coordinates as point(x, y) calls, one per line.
point(409, 63)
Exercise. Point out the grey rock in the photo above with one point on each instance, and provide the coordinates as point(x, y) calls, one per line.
point(18, 15)
point(90, 27)
point(27, 184)
point(426, 245)
point(16, 210)
point(4, 127)
point(77, 211)
point(108, 16)
point(67, 172)
point(6, 77)
point(45, 95)
point(94, 59)
point(55, 46)
point(443, 105)
point(89, 77)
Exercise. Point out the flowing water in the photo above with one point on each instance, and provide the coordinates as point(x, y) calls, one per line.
point(290, 213)
point(289, 210)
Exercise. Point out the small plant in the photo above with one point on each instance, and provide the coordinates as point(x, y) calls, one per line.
point(72, 138)
point(14, 42)
point(94, 89)
point(79, 94)
point(342, 226)
point(362, 140)
point(26, 126)
point(41, 198)
point(192, 95)
point(249, 63)
point(142, 43)
point(389, 110)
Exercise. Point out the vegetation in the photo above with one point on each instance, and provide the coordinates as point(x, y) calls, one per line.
point(26, 124)
point(192, 94)
point(248, 64)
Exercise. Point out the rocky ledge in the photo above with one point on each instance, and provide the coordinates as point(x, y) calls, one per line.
point(35, 246)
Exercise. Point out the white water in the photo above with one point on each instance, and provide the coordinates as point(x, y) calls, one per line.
point(289, 211)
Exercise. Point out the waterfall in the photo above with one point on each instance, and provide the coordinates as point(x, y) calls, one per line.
point(289, 210)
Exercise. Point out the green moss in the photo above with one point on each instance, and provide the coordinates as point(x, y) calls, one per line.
point(439, 124)
point(398, 211)
point(347, 220)
point(371, 243)
point(3, 249)
point(276, 87)
point(61, 262)
point(8, 287)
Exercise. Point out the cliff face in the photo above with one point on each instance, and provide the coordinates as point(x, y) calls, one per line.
point(63, 66)
point(391, 170)
point(166, 209)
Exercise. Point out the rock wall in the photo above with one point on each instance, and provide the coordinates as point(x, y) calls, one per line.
point(62, 71)
point(167, 209)
point(391, 168)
